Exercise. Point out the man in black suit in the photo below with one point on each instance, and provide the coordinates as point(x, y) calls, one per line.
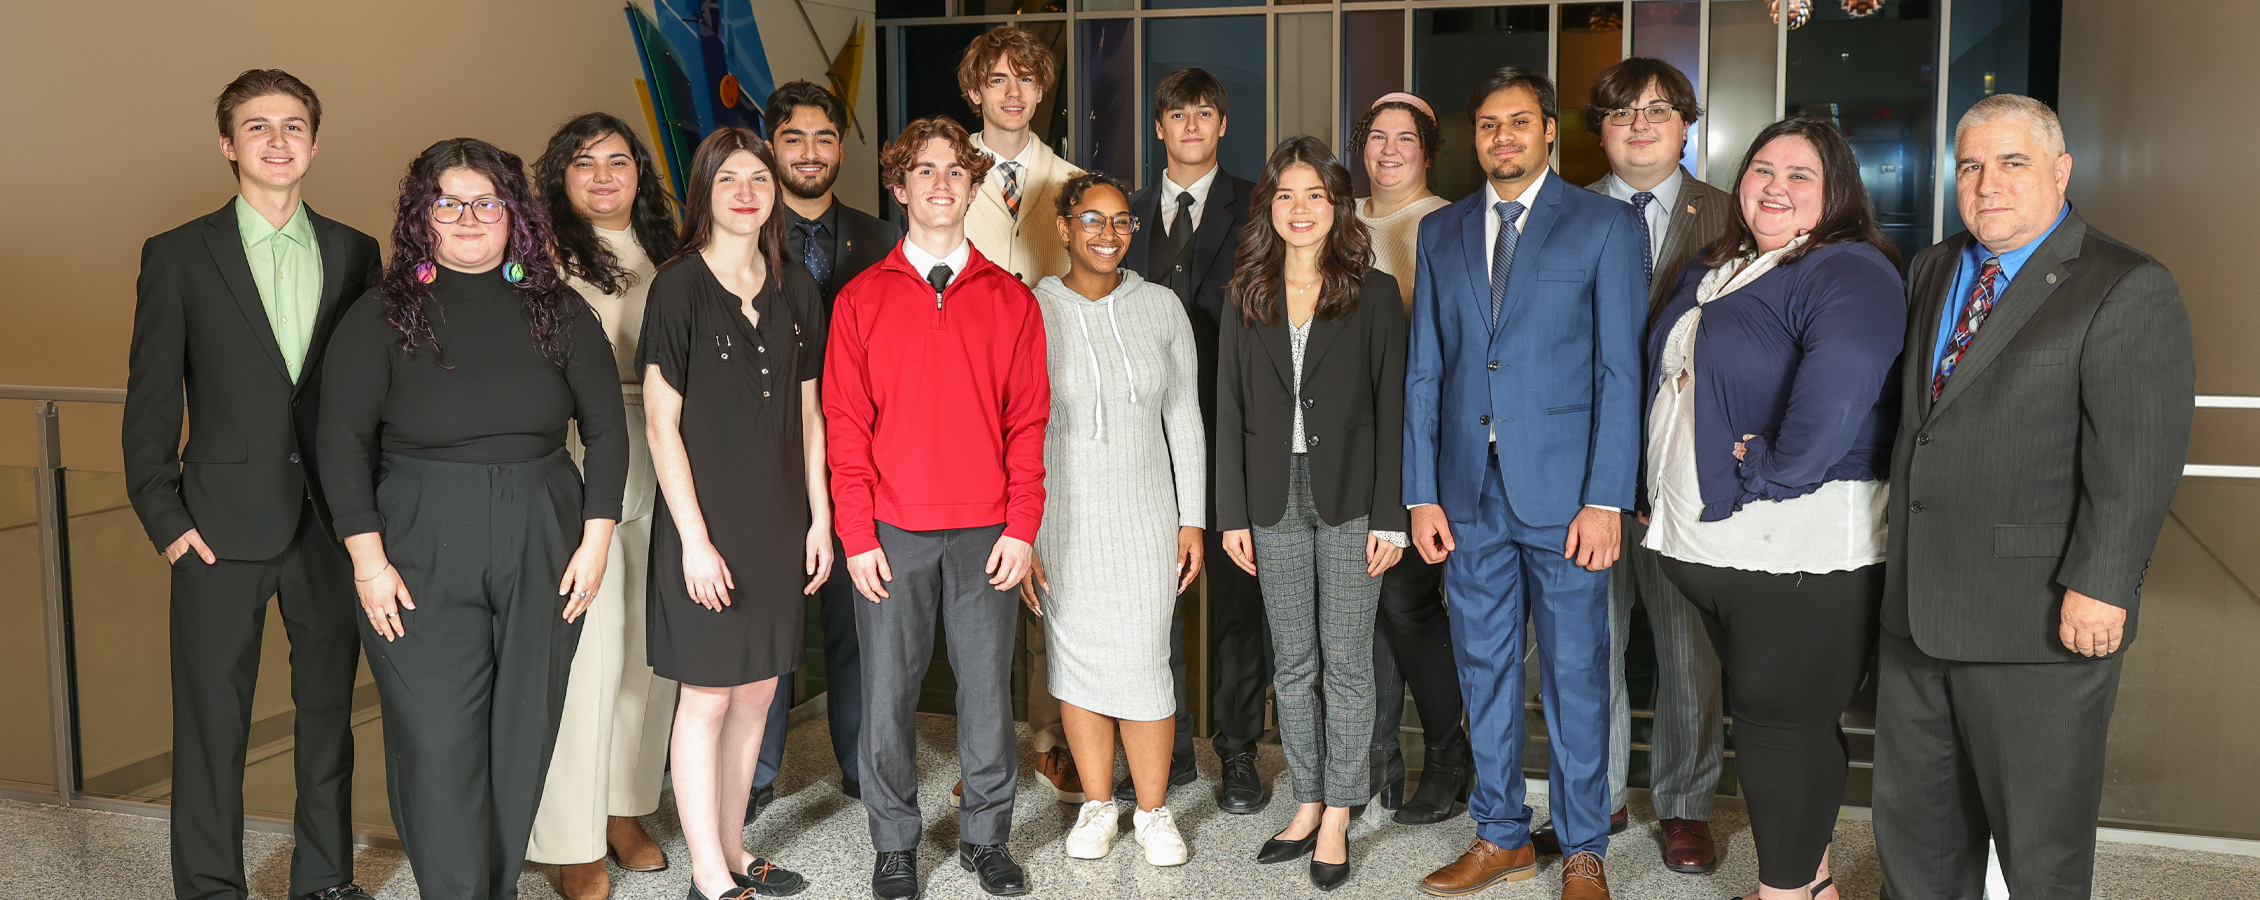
point(236, 307)
point(2048, 380)
point(835, 243)
point(1187, 242)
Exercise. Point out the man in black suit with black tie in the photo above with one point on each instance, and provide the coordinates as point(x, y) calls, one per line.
point(1187, 242)
point(2049, 383)
point(235, 308)
point(835, 243)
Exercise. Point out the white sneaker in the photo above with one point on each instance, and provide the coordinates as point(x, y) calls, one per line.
point(1095, 827)
point(1157, 832)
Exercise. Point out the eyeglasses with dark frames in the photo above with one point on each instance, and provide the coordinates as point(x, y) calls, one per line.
point(1656, 114)
point(1093, 221)
point(449, 210)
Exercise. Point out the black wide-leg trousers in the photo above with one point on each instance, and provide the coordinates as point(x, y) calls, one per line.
point(473, 692)
point(219, 614)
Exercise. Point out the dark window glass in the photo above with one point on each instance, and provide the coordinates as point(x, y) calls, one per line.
point(910, 9)
point(1108, 88)
point(1876, 77)
point(1373, 63)
point(1230, 48)
point(1452, 50)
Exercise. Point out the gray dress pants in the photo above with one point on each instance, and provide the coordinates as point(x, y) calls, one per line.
point(1688, 739)
point(938, 580)
point(1321, 606)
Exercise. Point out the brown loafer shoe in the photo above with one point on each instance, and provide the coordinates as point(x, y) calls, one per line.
point(1547, 842)
point(1688, 846)
point(1584, 878)
point(632, 847)
point(585, 881)
point(1056, 769)
point(1483, 865)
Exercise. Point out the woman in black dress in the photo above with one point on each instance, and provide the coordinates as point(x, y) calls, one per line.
point(732, 348)
point(446, 394)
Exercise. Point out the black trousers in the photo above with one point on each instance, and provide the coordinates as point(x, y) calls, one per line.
point(219, 614)
point(1794, 648)
point(843, 681)
point(473, 692)
point(1971, 750)
point(1239, 656)
point(1415, 653)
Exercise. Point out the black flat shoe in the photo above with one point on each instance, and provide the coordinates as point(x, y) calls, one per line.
point(1445, 780)
point(1278, 850)
point(1240, 792)
point(1328, 876)
point(894, 875)
point(769, 879)
point(999, 874)
point(737, 893)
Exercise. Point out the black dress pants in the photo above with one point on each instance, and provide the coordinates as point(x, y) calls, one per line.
point(1239, 655)
point(473, 692)
point(1415, 654)
point(843, 681)
point(1971, 750)
point(1794, 648)
point(219, 614)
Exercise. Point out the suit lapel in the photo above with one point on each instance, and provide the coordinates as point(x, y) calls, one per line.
point(226, 245)
point(1471, 249)
point(330, 237)
point(1929, 286)
point(1216, 224)
point(1543, 214)
point(1275, 344)
point(2035, 283)
point(1686, 216)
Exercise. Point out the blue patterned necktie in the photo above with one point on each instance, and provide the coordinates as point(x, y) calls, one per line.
point(1503, 255)
point(812, 256)
point(1640, 203)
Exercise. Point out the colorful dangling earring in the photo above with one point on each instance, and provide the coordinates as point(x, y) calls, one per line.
point(426, 272)
point(513, 273)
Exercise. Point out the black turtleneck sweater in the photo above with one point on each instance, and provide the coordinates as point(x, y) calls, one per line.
point(498, 399)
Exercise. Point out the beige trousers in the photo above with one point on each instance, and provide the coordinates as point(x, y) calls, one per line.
point(611, 752)
point(1044, 728)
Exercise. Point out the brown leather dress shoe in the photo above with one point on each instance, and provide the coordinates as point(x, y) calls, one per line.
point(1483, 865)
point(1056, 769)
point(1688, 846)
point(586, 881)
point(1584, 878)
point(1546, 841)
point(632, 847)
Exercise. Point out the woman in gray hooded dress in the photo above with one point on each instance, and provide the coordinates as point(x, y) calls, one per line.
point(1125, 471)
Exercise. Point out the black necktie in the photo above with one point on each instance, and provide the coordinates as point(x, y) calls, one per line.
point(939, 277)
point(1181, 225)
point(812, 255)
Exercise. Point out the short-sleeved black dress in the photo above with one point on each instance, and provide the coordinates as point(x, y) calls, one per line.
point(741, 428)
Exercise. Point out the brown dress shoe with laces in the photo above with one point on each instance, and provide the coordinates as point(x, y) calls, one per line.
point(1056, 769)
point(1583, 878)
point(1688, 846)
point(1483, 865)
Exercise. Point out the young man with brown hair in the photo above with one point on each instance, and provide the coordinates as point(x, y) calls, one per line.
point(234, 308)
point(935, 387)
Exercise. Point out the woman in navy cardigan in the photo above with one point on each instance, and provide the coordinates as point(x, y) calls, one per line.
point(1768, 442)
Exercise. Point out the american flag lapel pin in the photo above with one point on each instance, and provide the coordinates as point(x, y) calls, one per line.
point(1691, 209)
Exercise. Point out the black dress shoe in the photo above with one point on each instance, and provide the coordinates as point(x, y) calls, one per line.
point(852, 788)
point(1181, 773)
point(999, 874)
point(1445, 780)
point(1328, 876)
point(1279, 850)
point(769, 879)
point(1240, 792)
point(894, 875)
point(1388, 777)
point(762, 797)
point(341, 892)
point(1545, 840)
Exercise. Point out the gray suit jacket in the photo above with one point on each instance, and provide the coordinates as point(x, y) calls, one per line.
point(2052, 456)
point(1699, 215)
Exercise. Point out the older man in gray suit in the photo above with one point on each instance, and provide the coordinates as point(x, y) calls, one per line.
point(1642, 109)
point(2049, 383)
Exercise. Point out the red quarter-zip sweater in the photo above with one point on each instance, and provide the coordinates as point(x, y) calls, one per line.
point(935, 407)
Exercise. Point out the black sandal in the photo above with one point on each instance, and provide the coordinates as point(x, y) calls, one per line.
point(763, 878)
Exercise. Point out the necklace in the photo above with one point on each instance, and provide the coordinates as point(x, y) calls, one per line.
point(1301, 289)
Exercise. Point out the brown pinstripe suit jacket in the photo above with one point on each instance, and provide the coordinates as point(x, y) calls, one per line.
point(1699, 215)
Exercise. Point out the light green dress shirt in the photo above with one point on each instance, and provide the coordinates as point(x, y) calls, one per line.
point(287, 267)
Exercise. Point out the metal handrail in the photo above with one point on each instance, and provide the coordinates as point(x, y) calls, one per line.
point(53, 394)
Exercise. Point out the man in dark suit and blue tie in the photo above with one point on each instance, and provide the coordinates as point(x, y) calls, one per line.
point(1522, 428)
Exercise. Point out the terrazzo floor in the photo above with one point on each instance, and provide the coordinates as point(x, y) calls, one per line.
point(811, 828)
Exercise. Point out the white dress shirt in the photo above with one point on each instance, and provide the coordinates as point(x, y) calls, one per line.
point(1199, 190)
point(925, 262)
point(1659, 212)
point(1021, 160)
point(1528, 198)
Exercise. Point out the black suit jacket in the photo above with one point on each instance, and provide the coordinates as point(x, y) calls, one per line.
point(1216, 242)
point(865, 239)
point(1353, 398)
point(2052, 456)
point(248, 468)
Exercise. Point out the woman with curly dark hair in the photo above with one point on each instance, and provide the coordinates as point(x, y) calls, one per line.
point(476, 545)
point(1309, 431)
point(610, 211)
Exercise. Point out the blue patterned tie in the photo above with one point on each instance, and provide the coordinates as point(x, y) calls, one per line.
point(812, 256)
point(1503, 255)
point(1640, 203)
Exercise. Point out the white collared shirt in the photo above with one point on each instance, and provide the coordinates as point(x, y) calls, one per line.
point(1199, 190)
point(1528, 198)
point(1659, 212)
point(925, 262)
point(1027, 151)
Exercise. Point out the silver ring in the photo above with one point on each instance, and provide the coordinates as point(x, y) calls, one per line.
point(577, 595)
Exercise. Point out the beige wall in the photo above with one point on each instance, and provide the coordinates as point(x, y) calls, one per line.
point(2141, 104)
point(116, 140)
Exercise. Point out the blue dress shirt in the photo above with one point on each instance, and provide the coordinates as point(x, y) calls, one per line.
point(1965, 281)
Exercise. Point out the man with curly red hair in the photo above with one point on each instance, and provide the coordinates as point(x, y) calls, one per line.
point(934, 386)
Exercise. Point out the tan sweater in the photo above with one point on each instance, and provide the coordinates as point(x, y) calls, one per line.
point(622, 314)
point(1396, 239)
point(1029, 246)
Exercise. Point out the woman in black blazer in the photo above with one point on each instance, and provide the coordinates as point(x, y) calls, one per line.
point(1309, 432)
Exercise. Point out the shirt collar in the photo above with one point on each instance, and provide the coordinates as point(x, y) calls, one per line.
point(1529, 195)
point(830, 218)
point(925, 262)
point(255, 229)
point(1666, 190)
point(1199, 187)
point(1027, 153)
point(2014, 259)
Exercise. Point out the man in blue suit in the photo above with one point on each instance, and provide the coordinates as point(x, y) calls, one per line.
point(1522, 429)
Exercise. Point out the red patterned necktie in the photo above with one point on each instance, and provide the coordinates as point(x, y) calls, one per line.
point(1965, 328)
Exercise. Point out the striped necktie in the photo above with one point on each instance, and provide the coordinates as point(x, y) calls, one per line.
point(1965, 327)
point(1503, 255)
point(1011, 187)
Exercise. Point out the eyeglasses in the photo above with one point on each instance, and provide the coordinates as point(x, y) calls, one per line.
point(1656, 115)
point(448, 210)
point(1095, 221)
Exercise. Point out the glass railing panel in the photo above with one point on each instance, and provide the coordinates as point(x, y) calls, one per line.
point(26, 744)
